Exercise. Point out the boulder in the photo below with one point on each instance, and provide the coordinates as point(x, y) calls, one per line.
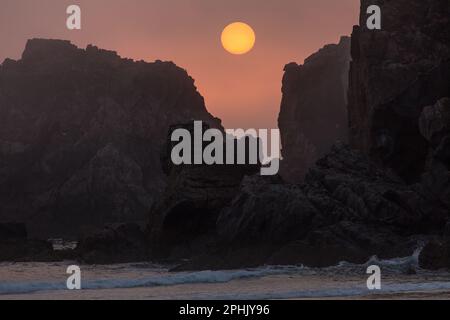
point(434, 122)
point(116, 243)
point(435, 255)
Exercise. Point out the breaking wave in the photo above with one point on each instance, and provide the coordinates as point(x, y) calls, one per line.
point(158, 279)
point(153, 281)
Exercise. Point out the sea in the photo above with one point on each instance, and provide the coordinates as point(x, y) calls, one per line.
point(401, 278)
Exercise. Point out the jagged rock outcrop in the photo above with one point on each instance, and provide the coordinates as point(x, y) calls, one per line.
point(385, 199)
point(81, 134)
point(183, 222)
point(313, 112)
point(347, 209)
point(395, 73)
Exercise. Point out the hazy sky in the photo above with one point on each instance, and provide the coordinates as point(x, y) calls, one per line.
point(244, 91)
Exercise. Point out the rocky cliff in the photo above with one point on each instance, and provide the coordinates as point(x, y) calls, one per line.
point(313, 112)
point(395, 73)
point(183, 220)
point(81, 134)
point(348, 209)
point(383, 199)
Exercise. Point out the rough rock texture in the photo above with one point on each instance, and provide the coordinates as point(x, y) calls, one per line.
point(383, 199)
point(314, 108)
point(81, 132)
point(435, 127)
point(395, 73)
point(435, 123)
point(347, 209)
point(16, 246)
point(115, 244)
point(435, 255)
point(182, 223)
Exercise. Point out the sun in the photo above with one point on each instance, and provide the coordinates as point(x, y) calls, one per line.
point(238, 38)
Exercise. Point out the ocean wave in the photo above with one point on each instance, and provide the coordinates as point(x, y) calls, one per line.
point(392, 266)
point(403, 265)
point(153, 281)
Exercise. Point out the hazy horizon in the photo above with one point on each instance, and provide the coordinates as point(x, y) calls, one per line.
point(244, 91)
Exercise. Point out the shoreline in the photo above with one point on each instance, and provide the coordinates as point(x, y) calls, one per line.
point(46, 281)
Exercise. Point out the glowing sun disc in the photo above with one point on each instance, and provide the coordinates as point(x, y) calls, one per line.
point(238, 38)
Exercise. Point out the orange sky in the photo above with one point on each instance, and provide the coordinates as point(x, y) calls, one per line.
point(244, 91)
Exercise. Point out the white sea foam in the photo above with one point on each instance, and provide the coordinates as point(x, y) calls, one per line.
point(153, 281)
point(161, 278)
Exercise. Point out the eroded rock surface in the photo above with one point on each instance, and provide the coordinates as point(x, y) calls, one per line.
point(313, 112)
point(348, 209)
point(183, 222)
point(395, 73)
point(81, 134)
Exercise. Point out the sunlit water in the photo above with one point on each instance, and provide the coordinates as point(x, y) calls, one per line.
point(148, 281)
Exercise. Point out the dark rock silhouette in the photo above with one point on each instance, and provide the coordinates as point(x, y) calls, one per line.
point(313, 112)
point(348, 209)
point(114, 244)
point(81, 133)
point(434, 125)
point(395, 73)
point(383, 199)
point(436, 255)
point(183, 222)
point(13, 231)
point(16, 246)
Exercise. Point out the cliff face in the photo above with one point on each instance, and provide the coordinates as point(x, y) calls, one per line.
point(353, 205)
point(314, 108)
point(395, 73)
point(81, 133)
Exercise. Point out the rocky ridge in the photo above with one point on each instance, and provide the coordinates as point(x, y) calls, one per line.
point(81, 132)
